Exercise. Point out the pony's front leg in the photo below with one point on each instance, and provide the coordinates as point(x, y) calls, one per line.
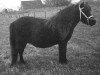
point(62, 53)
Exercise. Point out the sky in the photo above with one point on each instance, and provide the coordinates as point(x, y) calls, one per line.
point(11, 4)
point(15, 4)
point(75, 1)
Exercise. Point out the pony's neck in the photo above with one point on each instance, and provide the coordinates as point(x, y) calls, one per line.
point(68, 15)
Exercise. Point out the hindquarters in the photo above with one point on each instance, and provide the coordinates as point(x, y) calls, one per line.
point(22, 31)
point(19, 33)
point(17, 44)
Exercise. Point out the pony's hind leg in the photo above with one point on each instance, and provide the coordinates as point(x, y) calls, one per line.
point(14, 51)
point(21, 50)
point(14, 55)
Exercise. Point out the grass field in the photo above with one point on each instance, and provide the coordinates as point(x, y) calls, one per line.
point(83, 53)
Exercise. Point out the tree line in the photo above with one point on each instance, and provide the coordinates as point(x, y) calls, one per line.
point(56, 2)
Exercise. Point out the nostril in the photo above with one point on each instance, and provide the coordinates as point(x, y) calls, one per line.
point(92, 21)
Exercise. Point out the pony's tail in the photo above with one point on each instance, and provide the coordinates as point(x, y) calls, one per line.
point(12, 38)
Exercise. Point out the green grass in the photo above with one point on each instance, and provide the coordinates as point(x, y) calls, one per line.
point(83, 52)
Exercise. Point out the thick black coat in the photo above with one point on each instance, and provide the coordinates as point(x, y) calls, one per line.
point(44, 33)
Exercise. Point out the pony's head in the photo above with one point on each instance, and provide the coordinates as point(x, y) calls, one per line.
point(85, 14)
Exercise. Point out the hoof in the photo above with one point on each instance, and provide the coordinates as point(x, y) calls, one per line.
point(22, 62)
point(12, 65)
point(63, 61)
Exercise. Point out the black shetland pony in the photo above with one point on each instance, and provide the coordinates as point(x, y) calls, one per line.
point(45, 33)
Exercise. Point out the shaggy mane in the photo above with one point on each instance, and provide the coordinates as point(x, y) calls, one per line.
point(63, 17)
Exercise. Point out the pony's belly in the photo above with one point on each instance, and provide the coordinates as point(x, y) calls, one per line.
point(44, 38)
point(43, 44)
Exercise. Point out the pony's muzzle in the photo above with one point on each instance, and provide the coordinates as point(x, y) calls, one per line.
point(92, 21)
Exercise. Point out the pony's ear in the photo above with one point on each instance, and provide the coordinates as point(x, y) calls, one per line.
point(82, 5)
